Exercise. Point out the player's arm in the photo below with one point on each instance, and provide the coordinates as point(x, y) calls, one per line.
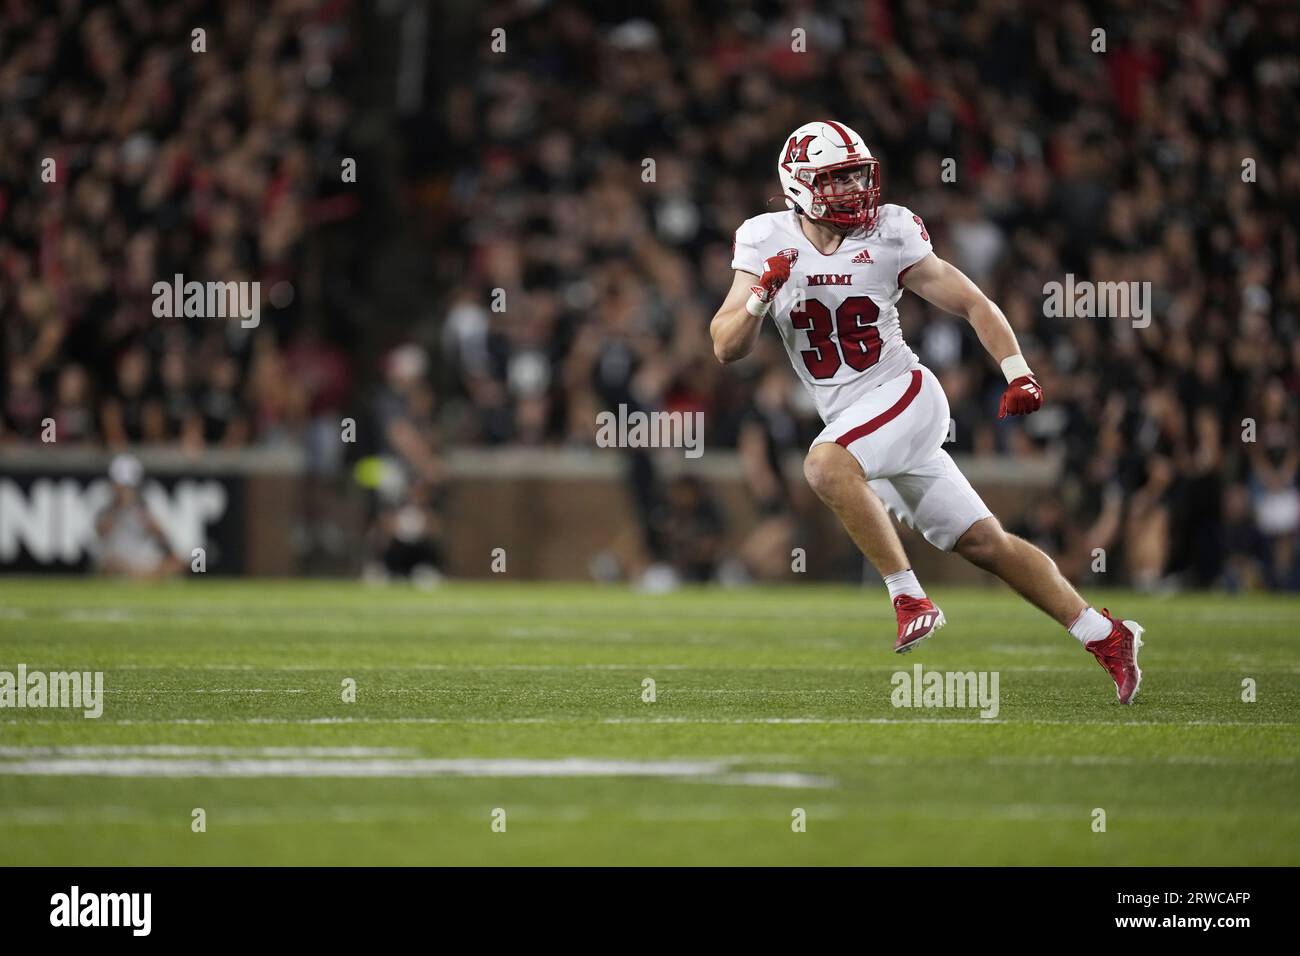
point(736, 325)
point(734, 328)
point(944, 285)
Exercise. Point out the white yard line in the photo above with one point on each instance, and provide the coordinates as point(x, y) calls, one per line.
point(706, 771)
point(634, 721)
point(150, 691)
point(300, 815)
point(173, 750)
point(343, 668)
point(900, 760)
point(647, 669)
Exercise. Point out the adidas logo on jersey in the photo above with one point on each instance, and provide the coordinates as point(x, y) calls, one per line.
point(863, 256)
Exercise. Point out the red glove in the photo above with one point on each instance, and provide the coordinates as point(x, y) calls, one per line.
point(1023, 396)
point(776, 275)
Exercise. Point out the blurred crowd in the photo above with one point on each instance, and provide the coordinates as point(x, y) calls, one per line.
point(579, 192)
point(600, 167)
point(132, 150)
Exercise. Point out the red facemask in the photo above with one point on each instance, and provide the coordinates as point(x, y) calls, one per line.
point(847, 207)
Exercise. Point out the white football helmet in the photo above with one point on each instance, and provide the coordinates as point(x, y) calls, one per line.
point(829, 175)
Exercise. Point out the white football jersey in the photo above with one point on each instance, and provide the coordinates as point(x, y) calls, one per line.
point(838, 314)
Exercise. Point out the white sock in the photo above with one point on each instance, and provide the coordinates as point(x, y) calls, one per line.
point(1090, 626)
point(903, 582)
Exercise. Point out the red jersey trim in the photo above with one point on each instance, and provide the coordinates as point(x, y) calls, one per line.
point(885, 417)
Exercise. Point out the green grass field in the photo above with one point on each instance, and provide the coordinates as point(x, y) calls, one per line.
point(227, 696)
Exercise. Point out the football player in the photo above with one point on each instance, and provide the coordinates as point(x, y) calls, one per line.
point(829, 271)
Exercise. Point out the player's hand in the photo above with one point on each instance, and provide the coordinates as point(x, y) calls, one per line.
point(1023, 396)
point(776, 274)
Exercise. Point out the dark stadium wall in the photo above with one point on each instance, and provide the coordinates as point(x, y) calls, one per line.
point(551, 528)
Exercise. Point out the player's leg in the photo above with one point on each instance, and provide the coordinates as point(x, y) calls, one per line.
point(1029, 572)
point(1035, 576)
point(837, 478)
point(896, 424)
point(942, 504)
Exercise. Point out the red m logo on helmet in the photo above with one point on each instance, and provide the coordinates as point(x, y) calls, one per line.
point(796, 151)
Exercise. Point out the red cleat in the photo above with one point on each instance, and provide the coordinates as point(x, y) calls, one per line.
point(918, 618)
point(1118, 653)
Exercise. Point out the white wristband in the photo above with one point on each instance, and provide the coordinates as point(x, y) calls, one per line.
point(756, 306)
point(1015, 366)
